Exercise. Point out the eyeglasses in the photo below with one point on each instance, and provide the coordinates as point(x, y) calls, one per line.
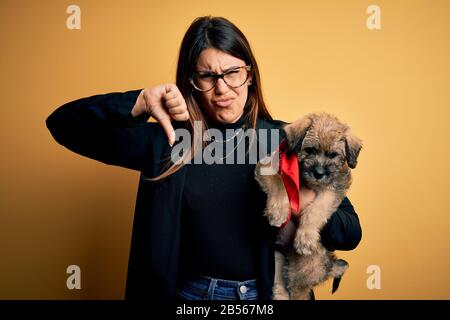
point(234, 78)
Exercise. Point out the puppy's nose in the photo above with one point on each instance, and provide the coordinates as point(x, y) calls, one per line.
point(318, 172)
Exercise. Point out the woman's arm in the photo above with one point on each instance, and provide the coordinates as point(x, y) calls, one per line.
point(342, 231)
point(102, 127)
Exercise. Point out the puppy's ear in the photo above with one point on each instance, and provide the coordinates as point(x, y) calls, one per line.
point(296, 132)
point(353, 146)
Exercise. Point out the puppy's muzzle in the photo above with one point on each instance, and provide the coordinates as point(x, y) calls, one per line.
point(319, 172)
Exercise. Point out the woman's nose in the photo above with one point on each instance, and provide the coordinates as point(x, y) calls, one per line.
point(221, 86)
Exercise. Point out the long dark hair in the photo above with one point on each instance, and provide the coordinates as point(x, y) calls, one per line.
point(219, 33)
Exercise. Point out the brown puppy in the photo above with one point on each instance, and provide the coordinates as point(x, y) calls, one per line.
point(326, 150)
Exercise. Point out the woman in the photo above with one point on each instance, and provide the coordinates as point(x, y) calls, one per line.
point(198, 230)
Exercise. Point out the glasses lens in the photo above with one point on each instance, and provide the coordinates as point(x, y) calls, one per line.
point(203, 82)
point(236, 78)
point(233, 78)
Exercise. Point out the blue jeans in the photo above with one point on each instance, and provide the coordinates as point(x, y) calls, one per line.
point(206, 288)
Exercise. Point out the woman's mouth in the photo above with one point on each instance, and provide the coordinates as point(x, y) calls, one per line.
point(223, 103)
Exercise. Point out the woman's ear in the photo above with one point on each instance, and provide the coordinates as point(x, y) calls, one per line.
point(353, 146)
point(250, 78)
point(296, 132)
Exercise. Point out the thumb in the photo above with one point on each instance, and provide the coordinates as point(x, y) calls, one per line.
point(168, 129)
point(168, 87)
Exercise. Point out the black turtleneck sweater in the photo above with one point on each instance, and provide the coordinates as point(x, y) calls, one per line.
point(222, 205)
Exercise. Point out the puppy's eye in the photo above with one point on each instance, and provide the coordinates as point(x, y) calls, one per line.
point(309, 150)
point(332, 155)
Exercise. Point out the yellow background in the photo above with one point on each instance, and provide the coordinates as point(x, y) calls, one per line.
point(391, 85)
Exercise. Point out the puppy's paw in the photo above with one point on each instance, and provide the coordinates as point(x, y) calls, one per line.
point(266, 167)
point(306, 241)
point(276, 217)
point(280, 293)
point(277, 211)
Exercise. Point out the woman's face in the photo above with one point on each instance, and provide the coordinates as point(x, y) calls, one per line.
point(222, 103)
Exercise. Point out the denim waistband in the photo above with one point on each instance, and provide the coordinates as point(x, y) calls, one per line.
point(201, 287)
point(225, 283)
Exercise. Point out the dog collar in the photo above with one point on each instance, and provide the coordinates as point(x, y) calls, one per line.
point(289, 172)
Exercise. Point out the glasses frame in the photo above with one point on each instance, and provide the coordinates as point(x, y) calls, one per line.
point(218, 76)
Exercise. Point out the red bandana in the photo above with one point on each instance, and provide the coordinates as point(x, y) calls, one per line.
point(290, 175)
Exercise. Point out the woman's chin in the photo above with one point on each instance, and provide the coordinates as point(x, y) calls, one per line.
point(226, 117)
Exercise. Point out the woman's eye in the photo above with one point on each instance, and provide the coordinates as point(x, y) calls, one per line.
point(231, 75)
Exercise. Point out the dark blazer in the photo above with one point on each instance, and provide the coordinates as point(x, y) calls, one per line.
point(101, 127)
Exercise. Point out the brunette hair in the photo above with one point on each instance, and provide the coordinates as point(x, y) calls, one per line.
point(219, 33)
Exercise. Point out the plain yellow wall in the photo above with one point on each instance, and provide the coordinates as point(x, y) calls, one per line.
point(391, 85)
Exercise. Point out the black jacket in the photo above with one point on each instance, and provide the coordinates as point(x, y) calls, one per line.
point(101, 127)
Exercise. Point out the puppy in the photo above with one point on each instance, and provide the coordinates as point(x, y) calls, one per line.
point(326, 150)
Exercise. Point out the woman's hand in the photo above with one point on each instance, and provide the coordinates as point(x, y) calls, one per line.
point(164, 103)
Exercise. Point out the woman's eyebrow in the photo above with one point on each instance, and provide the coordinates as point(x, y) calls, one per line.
point(223, 71)
point(230, 68)
point(204, 71)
